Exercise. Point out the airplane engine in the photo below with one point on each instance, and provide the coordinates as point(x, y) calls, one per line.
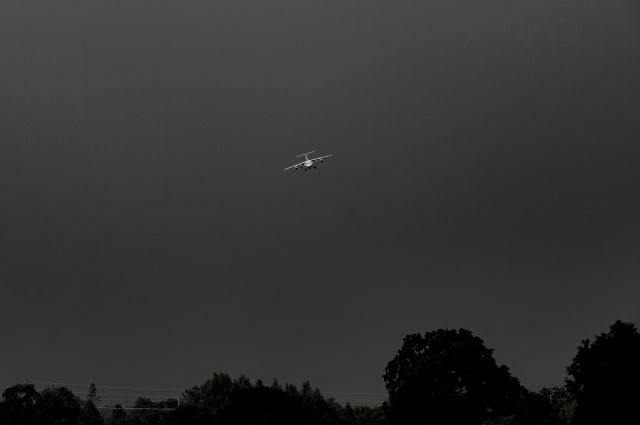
point(308, 163)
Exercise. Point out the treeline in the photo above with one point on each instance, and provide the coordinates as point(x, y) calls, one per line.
point(220, 400)
point(442, 377)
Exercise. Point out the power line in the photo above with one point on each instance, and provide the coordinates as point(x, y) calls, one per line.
point(101, 395)
point(124, 387)
point(158, 397)
point(134, 408)
point(181, 389)
point(350, 393)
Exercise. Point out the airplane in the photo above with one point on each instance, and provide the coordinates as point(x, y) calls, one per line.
point(308, 162)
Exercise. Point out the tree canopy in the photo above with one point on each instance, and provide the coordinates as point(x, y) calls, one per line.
point(448, 377)
point(89, 415)
point(20, 405)
point(23, 404)
point(604, 375)
point(443, 377)
point(59, 406)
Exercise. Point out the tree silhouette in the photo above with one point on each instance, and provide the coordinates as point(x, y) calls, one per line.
point(536, 409)
point(604, 377)
point(212, 395)
point(89, 415)
point(118, 416)
point(20, 405)
point(92, 394)
point(222, 401)
point(448, 377)
point(189, 414)
point(561, 401)
point(58, 406)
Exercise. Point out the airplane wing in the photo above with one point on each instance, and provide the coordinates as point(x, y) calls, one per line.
point(319, 158)
point(293, 166)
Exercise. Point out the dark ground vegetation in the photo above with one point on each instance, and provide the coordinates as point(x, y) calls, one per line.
point(444, 377)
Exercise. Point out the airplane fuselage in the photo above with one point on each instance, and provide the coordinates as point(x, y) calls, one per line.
point(308, 163)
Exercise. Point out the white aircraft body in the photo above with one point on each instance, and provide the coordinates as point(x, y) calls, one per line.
point(308, 162)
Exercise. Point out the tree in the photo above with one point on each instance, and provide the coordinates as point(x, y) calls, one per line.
point(58, 405)
point(563, 404)
point(536, 409)
point(20, 405)
point(603, 377)
point(90, 415)
point(118, 416)
point(223, 401)
point(92, 394)
point(267, 406)
point(448, 377)
point(190, 414)
point(147, 412)
point(348, 415)
point(364, 415)
point(212, 395)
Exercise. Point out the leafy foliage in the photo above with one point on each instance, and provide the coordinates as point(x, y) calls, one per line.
point(239, 402)
point(58, 406)
point(23, 404)
point(444, 377)
point(603, 377)
point(92, 394)
point(89, 415)
point(20, 405)
point(118, 416)
point(448, 377)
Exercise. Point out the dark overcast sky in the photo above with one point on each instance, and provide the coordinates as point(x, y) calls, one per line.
point(485, 176)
